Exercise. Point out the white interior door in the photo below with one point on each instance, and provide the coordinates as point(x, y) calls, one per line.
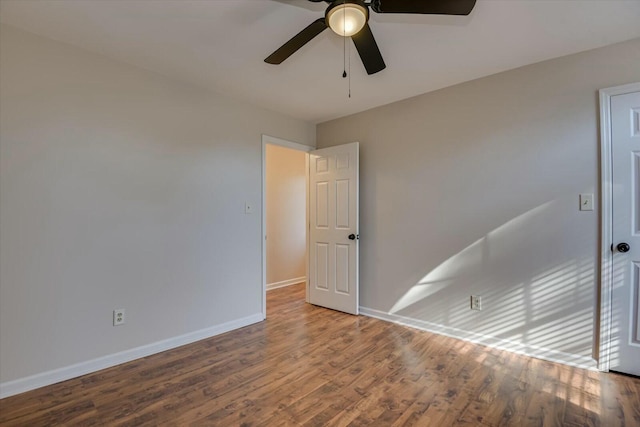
point(333, 223)
point(625, 326)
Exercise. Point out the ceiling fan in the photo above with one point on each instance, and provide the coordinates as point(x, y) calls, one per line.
point(349, 18)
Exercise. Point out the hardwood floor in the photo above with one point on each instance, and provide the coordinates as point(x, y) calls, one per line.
point(310, 366)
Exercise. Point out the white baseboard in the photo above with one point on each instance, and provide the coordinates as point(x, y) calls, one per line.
point(488, 340)
point(282, 284)
point(10, 388)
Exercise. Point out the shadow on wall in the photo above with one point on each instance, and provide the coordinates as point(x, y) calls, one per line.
point(549, 308)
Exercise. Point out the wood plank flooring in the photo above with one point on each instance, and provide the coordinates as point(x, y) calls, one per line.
point(310, 366)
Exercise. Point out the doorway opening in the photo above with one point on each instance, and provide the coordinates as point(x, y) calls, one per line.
point(285, 200)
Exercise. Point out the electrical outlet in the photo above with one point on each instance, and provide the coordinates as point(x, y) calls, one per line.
point(118, 316)
point(476, 302)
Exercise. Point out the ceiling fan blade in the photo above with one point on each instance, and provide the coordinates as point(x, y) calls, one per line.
point(368, 50)
point(435, 7)
point(297, 41)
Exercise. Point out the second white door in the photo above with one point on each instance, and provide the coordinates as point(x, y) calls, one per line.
point(625, 140)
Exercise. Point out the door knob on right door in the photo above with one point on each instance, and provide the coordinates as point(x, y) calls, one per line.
point(623, 247)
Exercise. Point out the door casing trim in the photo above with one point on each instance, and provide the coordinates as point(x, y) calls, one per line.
point(266, 139)
point(606, 223)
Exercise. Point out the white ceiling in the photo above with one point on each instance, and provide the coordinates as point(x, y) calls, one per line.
point(221, 44)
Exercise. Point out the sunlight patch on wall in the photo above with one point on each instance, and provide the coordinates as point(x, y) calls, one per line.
point(465, 264)
point(533, 300)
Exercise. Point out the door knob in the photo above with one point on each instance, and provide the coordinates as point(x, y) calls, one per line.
point(353, 237)
point(623, 247)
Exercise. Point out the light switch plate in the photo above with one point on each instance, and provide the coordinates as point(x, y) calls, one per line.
point(248, 208)
point(586, 202)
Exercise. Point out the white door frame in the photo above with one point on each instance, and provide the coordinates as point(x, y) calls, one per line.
point(266, 139)
point(606, 265)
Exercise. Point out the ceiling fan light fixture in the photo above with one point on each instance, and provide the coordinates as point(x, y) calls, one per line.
point(347, 17)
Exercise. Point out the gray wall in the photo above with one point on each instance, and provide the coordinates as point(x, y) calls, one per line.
point(120, 188)
point(473, 189)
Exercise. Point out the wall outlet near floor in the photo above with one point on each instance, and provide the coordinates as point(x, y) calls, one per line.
point(476, 302)
point(118, 316)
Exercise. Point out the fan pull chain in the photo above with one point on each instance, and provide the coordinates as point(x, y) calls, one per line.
point(349, 70)
point(344, 44)
point(344, 59)
point(344, 49)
